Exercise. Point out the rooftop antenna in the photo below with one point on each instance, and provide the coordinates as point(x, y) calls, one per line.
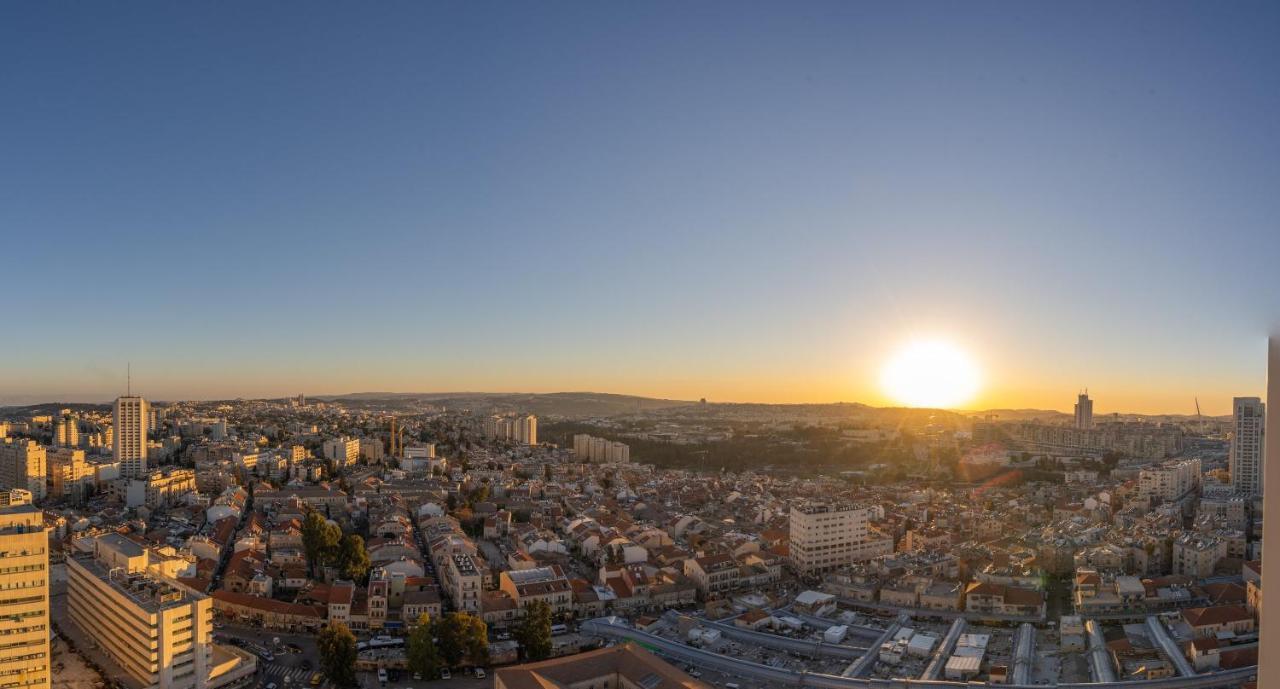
point(128, 379)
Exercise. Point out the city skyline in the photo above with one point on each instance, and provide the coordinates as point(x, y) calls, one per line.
point(748, 204)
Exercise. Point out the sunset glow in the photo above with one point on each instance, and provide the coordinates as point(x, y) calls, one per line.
point(932, 373)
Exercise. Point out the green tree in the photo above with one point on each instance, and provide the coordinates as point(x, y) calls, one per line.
point(337, 646)
point(424, 656)
point(319, 540)
point(353, 559)
point(534, 632)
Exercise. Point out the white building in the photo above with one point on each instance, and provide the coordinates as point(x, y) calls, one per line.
point(156, 630)
point(1169, 481)
point(825, 537)
point(1246, 459)
point(129, 429)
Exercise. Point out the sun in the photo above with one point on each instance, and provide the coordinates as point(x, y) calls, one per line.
point(930, 373)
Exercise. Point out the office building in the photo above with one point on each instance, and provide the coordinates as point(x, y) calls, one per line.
point(24, 580)
point(1246, 458)
point(157, 631)
point(129, 426)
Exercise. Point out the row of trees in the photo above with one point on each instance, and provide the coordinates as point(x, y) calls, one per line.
point(435, 644)
point(325, 546)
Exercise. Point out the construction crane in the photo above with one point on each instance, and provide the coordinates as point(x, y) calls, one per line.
point(397, 438)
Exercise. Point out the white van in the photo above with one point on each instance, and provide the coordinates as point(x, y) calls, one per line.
point(382, 676)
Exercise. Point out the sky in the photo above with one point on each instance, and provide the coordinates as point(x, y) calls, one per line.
point(738, 201)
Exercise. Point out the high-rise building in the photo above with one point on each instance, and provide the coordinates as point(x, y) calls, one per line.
point(67, 431)
point(129, 425)
point(24, 626)
point(1084, 411)
point(23, 464)
point(520, 429)
point(826, 537)
point(528, 430)
point(1246, 458)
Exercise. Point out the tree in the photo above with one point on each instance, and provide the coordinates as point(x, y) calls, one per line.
point(353, 559)
point(337, 646)
point(424, 656)
point(534, 632)
point(475, 639)
point(319, 540)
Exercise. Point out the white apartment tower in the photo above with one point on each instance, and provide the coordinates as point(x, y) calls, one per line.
point(129, 425)
point(25, 582)
point(825, 537)
point(1246, 458)
point(1084, 411)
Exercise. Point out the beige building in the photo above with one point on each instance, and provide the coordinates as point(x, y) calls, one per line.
point(547, 584)
point(70, 476)
point(825, 537)
point(129, 441)
point(23, 465)
point(156, 630)
point(344, 451)
point(588, 448)
point(24, 580)
point(520, 429)
point(462, 581)
point(625, 666)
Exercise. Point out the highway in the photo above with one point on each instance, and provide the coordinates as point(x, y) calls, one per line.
point(616, 629)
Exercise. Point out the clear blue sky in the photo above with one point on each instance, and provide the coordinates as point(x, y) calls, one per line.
point(743, 201)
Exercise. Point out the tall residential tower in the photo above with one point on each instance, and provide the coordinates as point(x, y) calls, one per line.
point(130, 418)
point(1084, 411)
point(1247, 421)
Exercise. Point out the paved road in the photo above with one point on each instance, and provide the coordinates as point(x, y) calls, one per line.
point(286, 669)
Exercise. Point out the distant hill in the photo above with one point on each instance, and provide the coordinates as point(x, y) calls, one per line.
point(576, 404)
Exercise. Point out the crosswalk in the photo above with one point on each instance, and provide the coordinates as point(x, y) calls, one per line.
point(286, 677)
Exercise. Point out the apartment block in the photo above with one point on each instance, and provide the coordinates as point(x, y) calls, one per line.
point(827, 537)
point(157, 631)
point(24, 583)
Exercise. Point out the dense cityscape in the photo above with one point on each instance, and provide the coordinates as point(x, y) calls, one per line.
point(834, 344)
point(413, 539)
